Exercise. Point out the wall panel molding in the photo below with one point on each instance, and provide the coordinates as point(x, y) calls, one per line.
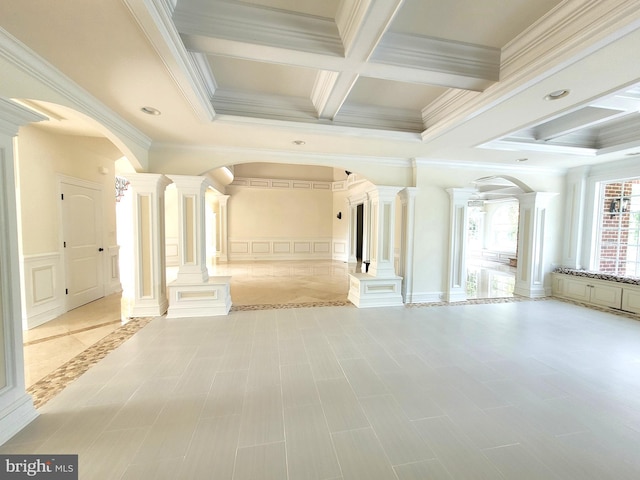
point(43, 291)
point(278, 248)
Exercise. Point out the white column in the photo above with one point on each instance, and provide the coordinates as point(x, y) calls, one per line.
point(457, 275)
point(223, 228)
point(147, 294)
point(408, 199)
point(192, 254)
point(531, 244)
point(382, 228)
point(16, 406)
point(353, 232)
point(366, 234)
point(575, 188)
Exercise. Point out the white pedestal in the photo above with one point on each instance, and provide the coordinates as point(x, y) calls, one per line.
point(366, 290)
point(200, 299)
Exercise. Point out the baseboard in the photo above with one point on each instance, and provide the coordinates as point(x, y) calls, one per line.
point(16, 416)
point(425, 297)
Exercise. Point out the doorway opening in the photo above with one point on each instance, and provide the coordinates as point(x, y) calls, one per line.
point(492, 248)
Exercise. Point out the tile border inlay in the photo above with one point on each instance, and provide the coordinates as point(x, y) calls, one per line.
point(49, 386)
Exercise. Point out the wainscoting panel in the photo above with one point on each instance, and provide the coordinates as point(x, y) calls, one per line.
point(113, 284)
point(280, 249)
point(44, 294)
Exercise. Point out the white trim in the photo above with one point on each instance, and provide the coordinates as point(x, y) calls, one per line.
point(43, 288)
point(501, 167)
point(22, 57)
point(280, 248)
point(425, 297)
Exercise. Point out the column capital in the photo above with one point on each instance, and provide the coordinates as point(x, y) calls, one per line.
point(383, 192)
point(194, 183)
point(147, 181)
point(461, 194)
point(408, 193)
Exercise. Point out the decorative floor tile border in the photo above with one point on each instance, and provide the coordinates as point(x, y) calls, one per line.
point(49, 386)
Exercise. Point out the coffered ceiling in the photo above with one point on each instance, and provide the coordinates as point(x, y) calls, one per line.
point(390, 80)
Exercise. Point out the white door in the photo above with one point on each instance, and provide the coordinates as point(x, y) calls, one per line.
point(83, 249)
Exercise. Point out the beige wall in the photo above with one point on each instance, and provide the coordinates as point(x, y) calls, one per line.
point(256, 213)
point(42, 156)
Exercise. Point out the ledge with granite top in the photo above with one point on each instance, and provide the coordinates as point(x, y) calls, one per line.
point(598, 275)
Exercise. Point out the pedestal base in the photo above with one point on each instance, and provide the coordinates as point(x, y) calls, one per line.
point(201, 299)
point(368, 291)
point(16, 416)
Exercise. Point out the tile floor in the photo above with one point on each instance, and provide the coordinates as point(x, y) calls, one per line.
point(512, 390)
point(259, 284)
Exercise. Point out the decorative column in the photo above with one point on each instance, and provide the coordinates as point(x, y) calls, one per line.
point(383, 213)
point(16, 406)
point(408, 199)
point(147, 296)
point(576, 187)
point(223, 228)
point(457, 275)
point(353, 232)
point(192, 257)
point(380, 286)
point(531, 244)
point(194, 293)
point(366, 234)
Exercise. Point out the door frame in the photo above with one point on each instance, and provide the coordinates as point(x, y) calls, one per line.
point(78, 182)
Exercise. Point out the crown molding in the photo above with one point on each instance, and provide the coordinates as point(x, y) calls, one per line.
point(258, 24)
point(13, 116)
point(350, 17)
point(279, 107)
point(280, 156)
point(191, 74)
point(501, 167)
point(25, 59)
point(383, 118)
point(322, 89)
point(574, 30)
point(445, 56)
point(298, 109)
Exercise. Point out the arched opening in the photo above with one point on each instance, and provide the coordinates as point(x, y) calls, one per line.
point(492, 237)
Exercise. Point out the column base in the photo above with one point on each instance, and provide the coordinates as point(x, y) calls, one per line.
point(16, 416)
point(368, 291)
point(200, 299)
point(456, 295)
point(530, 292)
point(131, 308)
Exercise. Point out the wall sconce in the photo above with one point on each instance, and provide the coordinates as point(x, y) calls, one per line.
point(339, 216)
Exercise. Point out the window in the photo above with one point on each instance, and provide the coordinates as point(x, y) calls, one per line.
point(504, 227)
point(618, 248)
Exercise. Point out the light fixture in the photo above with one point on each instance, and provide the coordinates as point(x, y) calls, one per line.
point(298, 142)
point(121, 186)
point(339, 216)
point(557, 94)
point(520, 160)
point(150, 111)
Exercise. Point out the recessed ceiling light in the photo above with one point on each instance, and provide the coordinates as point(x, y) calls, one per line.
point(557, 95)
point(150, 111)
point(298, 142)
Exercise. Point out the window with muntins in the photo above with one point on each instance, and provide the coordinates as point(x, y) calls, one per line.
point(618, 249)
